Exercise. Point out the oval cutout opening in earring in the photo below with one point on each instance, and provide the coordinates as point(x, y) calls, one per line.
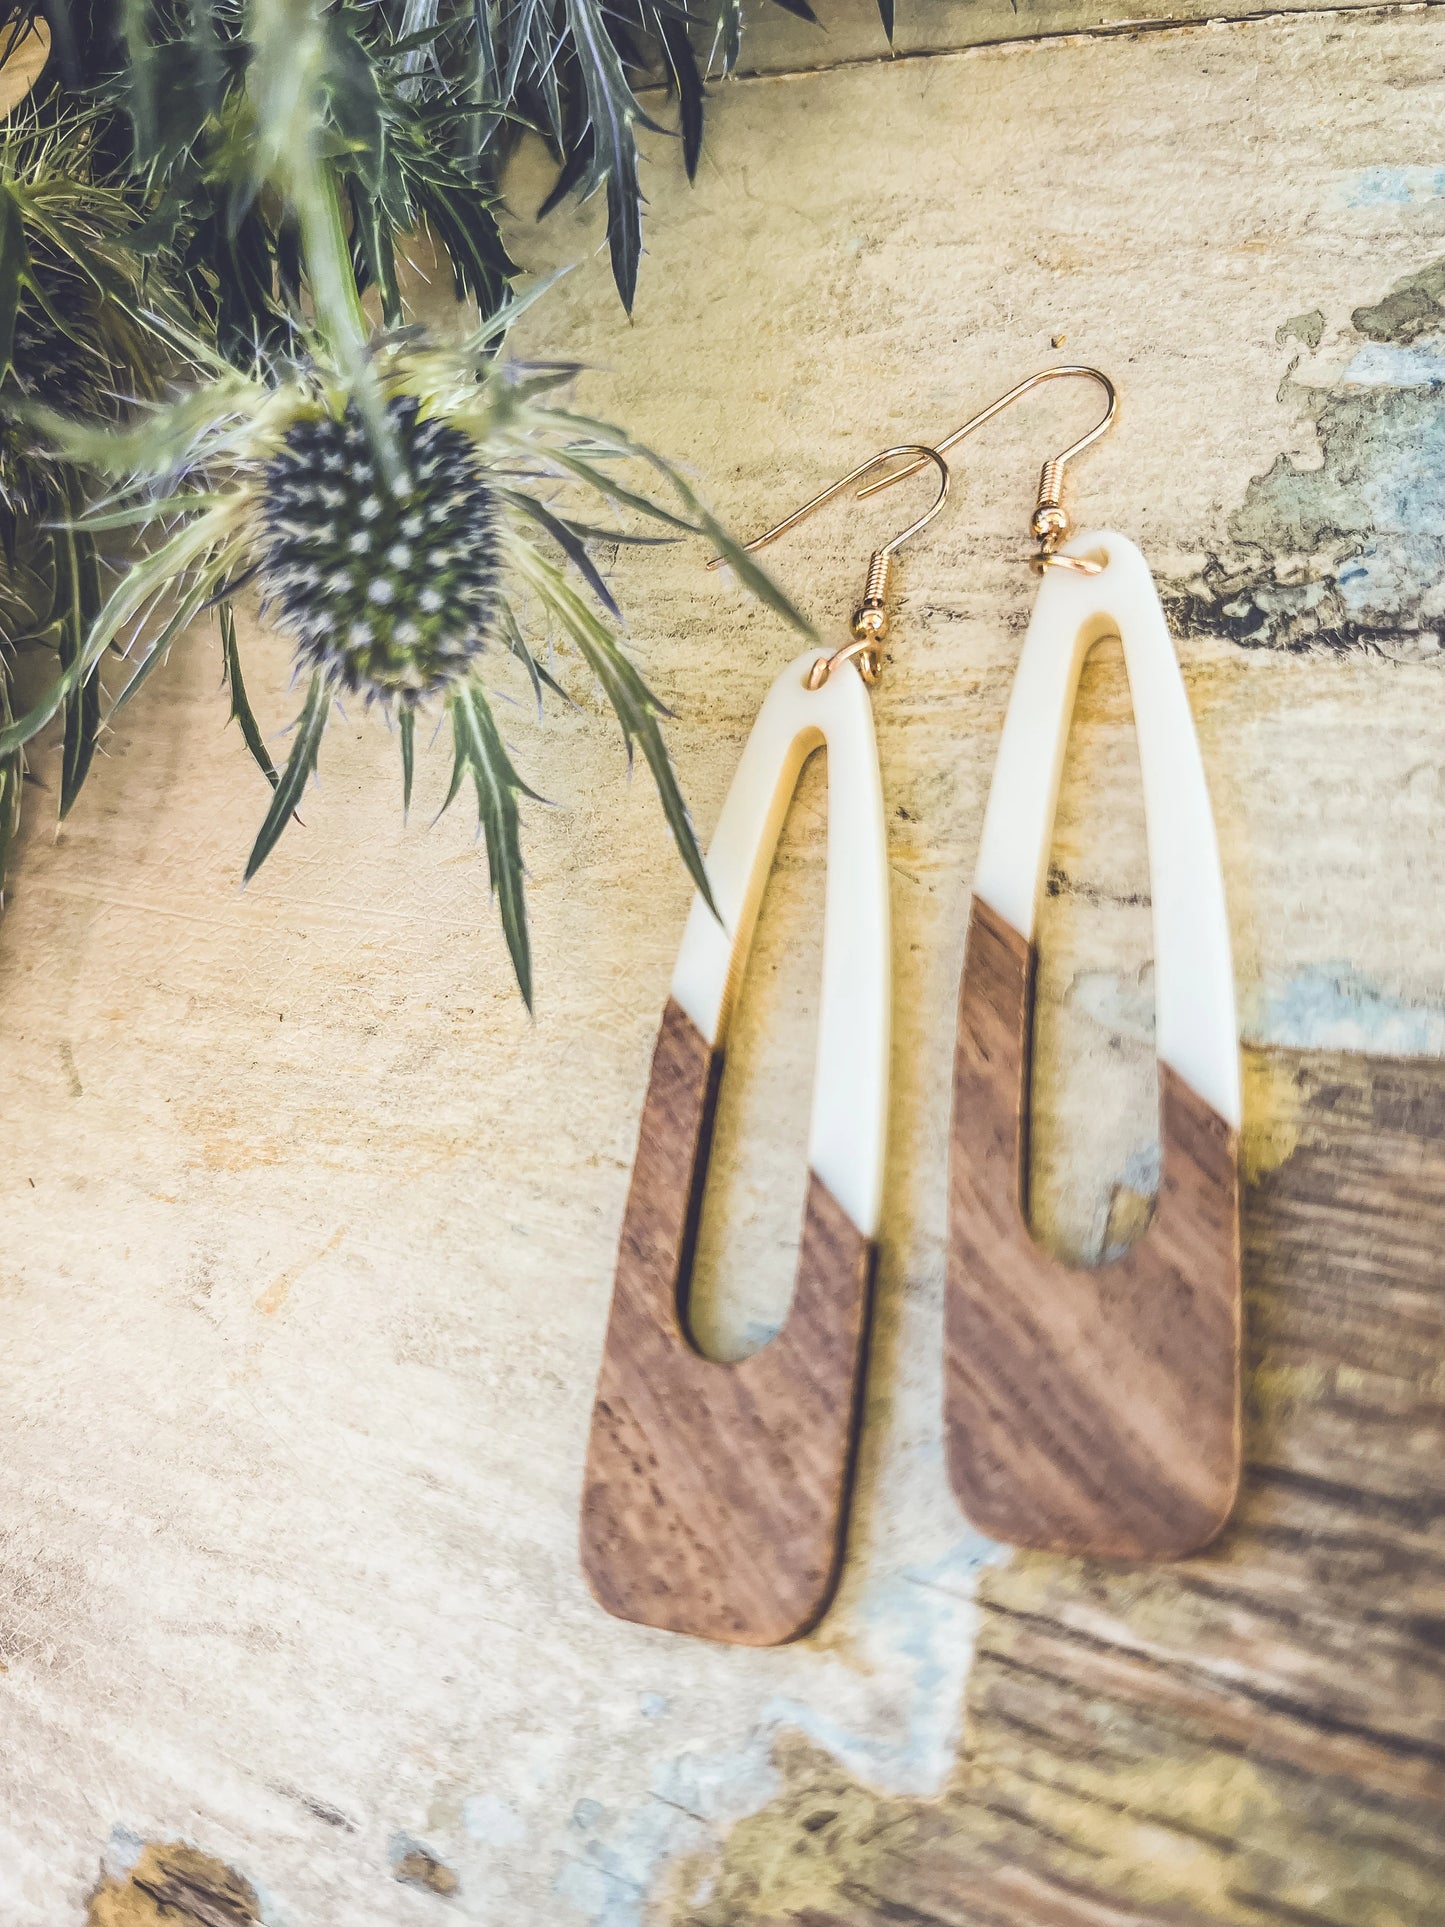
point(1093, 1147)
point(750, 1223)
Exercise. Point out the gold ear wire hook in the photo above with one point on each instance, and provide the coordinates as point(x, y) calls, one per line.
point(870, 618)
point(1049, 522)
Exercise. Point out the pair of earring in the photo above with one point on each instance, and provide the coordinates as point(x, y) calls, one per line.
point(1086, 1410)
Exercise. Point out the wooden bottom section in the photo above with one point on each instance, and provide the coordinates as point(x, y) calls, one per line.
point(716, 1494)
point(1087, 1410)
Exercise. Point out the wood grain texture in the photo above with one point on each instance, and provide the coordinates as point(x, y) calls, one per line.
point(1087, 1410)
point(777, 42)
point(716, 1494)
point(1250, 1737)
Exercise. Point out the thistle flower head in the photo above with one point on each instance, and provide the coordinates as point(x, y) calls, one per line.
point(399, 521)
point(391, 592)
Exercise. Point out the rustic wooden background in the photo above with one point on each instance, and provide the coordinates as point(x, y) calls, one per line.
point(308, 1230)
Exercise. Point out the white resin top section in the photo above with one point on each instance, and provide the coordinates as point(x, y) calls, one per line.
point(850, 1083)
point(1197, 1030)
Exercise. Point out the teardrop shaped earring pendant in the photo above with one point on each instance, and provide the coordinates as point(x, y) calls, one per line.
point(716, 1493)
point(1096, 1410)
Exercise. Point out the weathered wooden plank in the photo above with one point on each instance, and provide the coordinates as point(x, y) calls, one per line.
point(1255, 1735)
point(847, 34)
point(309, 1232)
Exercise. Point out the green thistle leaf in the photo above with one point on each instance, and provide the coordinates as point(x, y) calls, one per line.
point(14, 271)
point(569, 542)
point(612, 111)
point(636, 708)
point(142, 514)
point(406, 723)
point(241, 712)
point(156, 652)
point(539, 676)
point(462, 218)
point(82, 727)
point(698, 519)
point(730, 31)
point(373, 236)
point(687, 81)
point(191, 547)
point(305, 749)
point(78, 579)
point(12, 779)
point(481, 754)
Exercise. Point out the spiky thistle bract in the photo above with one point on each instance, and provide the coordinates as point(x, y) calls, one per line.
point(82, 324)
point(401, 589)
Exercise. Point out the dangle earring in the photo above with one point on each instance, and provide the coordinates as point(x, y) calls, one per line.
point(1095, 1410)
point(716, 1494)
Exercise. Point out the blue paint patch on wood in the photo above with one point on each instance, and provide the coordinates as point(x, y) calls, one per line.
point(1347, 555)
point(1394, 186)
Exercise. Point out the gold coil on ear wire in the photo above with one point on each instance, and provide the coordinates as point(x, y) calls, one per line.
point(869, 626)
point(1050, 523)
point(870, 619)
point(1050, 520)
